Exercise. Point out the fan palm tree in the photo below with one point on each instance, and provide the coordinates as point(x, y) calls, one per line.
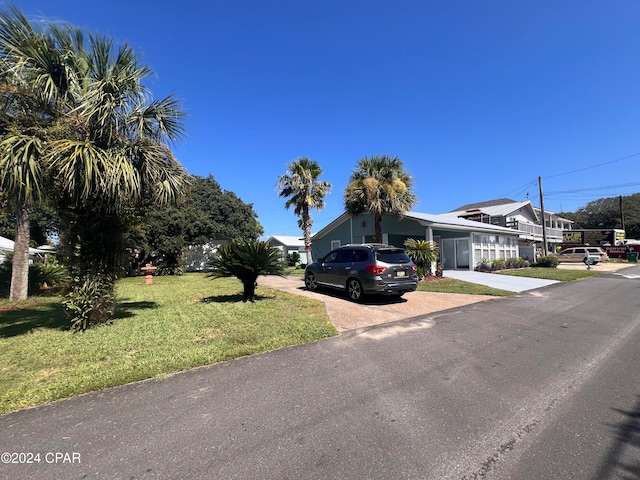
point(27, 111)
point(104, 138)
point(302, 189)
point(379, 185)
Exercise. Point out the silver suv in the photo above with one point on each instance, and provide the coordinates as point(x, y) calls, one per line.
point(588, 255)
point(364, 269)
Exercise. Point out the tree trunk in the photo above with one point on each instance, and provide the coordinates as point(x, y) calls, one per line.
point(20, 270)
point(378, 227)
point(249, 293)
point(306, 231)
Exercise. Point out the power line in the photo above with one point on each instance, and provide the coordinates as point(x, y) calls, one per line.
point(609, 187)
point(593, 166)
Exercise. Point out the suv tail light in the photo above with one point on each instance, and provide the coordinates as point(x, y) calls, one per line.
point(375, 269)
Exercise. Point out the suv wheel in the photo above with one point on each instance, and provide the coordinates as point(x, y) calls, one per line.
point(310, 281)
point(354, 290)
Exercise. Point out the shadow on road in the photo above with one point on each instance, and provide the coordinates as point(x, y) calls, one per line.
point(623, 459)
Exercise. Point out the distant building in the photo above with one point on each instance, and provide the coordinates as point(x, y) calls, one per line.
point(522, 216)
point(288, 244)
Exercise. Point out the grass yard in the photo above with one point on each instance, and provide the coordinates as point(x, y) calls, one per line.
point(173, 325)
point(550, 273)
point(452, 285)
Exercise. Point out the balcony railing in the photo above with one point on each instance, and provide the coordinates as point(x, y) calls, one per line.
point(553, 234)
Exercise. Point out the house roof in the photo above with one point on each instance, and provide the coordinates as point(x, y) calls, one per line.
point(442, 221)
point(501, 207)
point(288, 240)
point(7, 245)
point(487, 203)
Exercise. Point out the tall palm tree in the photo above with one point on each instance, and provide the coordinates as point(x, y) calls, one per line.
point(379, 185)
point(106, 138)
point(26, 113)
point(302, 189)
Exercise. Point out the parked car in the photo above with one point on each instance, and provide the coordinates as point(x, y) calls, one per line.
point(364, 269)
point(594, 255)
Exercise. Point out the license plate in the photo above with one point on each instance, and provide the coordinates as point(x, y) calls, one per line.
point(400, 273)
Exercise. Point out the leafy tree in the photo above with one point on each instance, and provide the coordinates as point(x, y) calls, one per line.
point(247, 260)
point(303, 191)
point(207, 214)
point(379, 185)
point(423, 253)
point(605, 213)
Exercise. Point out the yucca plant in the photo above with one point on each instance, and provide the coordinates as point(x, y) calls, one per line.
point(247, 260)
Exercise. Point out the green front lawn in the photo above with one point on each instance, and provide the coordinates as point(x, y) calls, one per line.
point(550, 273)
point(452, 285)
point(175, 324)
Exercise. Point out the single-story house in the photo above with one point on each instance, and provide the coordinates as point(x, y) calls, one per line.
point(462, 243)
point(288, 244)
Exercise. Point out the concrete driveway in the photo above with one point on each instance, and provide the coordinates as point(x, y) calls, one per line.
point(347, 315)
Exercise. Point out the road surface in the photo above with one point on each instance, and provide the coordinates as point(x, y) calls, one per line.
point(543, 385)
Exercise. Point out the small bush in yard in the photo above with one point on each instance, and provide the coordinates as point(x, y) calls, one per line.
point(547, 262)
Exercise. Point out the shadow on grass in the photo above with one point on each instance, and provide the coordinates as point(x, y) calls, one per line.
point(237, 297)
point(16, 320)
point(127, 309)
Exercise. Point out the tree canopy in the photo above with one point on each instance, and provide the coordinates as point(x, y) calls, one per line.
point(207, 214)
point(301, 186)
point(605, 213)
point(379, 185)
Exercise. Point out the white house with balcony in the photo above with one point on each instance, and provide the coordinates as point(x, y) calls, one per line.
point(522, 216)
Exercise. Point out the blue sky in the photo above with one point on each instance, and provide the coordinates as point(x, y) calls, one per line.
point(478, 98)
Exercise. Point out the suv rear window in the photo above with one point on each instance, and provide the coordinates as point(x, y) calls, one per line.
point(392, 255)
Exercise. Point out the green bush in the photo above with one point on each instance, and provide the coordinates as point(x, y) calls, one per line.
point(292, 259)
point(90, 301)
point(51, 273)
point(516, 262)
point(498, 264)
point(547, 262)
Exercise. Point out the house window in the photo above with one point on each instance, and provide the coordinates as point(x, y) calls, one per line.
point(335, 244)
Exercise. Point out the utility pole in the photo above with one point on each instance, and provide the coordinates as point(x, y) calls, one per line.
point(545, 252)
point(621, 213)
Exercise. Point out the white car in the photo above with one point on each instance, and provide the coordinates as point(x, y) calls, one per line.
point(587, 255)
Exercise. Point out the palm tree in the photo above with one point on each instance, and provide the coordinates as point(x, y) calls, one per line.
point(423, 253)
point(379, 185)
point(26, 113)
point(104, 139)
point(111, 155)
point(247, 260)
point(302, 189)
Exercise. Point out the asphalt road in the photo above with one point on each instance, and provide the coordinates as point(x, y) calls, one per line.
point(542, 385)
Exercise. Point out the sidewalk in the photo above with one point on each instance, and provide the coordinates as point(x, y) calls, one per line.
point(503, 282)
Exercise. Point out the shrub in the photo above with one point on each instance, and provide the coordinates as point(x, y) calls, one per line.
point(247, 260)
point(498, 264)
point(423, 253)
point(51, 273)
point(547, 262)
point(90, 301)
point(292, 259)
point(516, 262)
